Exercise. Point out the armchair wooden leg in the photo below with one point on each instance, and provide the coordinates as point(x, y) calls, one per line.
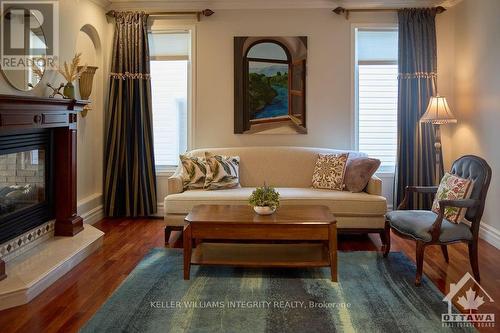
point(420, 262)
point(474, 259)
point(444, 249)
point(386, 238)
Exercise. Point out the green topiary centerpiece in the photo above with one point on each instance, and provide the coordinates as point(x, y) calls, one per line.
point(264, 200)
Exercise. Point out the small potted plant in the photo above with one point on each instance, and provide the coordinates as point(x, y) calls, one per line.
point(264, 200)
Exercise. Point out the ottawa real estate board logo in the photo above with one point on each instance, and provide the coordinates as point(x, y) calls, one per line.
point(29, 34)
point(470, 296)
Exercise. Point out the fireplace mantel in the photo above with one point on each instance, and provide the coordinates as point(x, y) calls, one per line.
point(21, 113)
point(25, 112)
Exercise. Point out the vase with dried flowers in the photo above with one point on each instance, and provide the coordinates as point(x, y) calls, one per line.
point(71, 73)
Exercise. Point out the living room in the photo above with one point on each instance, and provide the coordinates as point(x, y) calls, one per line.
point(332, 163)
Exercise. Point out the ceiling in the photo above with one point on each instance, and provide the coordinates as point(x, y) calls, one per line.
point(268, 4)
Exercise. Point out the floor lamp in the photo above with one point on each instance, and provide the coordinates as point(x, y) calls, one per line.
point(438, 113)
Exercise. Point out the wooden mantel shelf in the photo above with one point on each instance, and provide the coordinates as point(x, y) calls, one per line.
point(70, 104)
point(19, 114)
point(23, 112)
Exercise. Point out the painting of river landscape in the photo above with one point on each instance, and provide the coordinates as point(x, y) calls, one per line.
point(268, 90)
point(270, 85)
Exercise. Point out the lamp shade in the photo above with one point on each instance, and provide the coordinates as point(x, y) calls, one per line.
point(438, 112)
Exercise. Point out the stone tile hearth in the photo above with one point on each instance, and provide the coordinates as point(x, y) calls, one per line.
point(30, 273)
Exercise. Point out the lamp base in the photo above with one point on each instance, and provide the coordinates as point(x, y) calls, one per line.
point(437, 147)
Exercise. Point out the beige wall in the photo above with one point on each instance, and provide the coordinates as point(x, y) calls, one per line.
point(329, 102)
point(476, 81)
point(329, 73)
point(445, 34)
point(74, 14)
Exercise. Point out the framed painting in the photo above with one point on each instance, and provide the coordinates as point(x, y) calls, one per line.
point(270, 85)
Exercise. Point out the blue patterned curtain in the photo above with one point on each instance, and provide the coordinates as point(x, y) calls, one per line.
point(417, 83)
point(129, 179)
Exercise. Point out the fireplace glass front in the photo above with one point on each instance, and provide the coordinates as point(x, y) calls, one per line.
point(26, 182)
point(22, 180)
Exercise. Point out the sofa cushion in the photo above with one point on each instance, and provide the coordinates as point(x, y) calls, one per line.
point(222, 172)
point(341, 203)
point(193, 172)
point(418, 223)
point(329, 171)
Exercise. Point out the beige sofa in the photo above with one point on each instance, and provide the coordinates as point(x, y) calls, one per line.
point(289, 170)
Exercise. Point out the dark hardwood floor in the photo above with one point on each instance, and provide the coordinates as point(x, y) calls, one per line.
point(73, 299)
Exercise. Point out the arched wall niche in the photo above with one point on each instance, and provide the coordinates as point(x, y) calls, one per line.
point(94, 37)
point(91, 127)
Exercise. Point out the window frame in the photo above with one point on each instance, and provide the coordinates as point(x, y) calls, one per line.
point(355, 75)
point(166, 170)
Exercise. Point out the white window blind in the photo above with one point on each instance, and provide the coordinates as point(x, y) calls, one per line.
point(377, 96)
point(170, 44)
point(169, 83)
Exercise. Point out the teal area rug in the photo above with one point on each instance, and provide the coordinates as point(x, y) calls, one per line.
point(373, 295)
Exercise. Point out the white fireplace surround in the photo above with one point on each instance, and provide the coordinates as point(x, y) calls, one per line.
point(35, 262)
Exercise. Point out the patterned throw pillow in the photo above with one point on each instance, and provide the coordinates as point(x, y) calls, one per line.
point(222, 171)
point(330, 171)
point(452, 188)
point(193, 172)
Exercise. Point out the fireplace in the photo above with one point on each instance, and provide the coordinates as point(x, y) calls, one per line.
point(26, 182)
point(37, 166)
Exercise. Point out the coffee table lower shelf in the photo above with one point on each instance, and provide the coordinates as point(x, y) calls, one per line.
point(261, 255)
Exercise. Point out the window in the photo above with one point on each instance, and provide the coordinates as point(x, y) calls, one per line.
point(376, 95)
point(170, 68)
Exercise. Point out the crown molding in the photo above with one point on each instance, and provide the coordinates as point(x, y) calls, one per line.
point(450, 3)
point(374, 4)
point(102, 3)
point(268, 4)
point(221, 4)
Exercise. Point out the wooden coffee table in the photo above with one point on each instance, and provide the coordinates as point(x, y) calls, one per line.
point(233, 235)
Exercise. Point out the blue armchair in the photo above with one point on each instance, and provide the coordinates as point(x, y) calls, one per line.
point(429, 228)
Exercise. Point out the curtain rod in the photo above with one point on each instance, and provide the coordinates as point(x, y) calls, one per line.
point(345, 12)
point(205, 12)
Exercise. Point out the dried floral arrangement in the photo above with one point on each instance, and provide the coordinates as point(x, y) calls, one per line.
point(38, 71)
point(70, 72)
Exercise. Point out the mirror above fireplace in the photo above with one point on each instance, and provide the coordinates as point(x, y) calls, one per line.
point(24, 61)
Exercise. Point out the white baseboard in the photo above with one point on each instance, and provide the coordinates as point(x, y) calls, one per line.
point(90, 208)
point(160, 210)
point(94, 215)
point(490, 234)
